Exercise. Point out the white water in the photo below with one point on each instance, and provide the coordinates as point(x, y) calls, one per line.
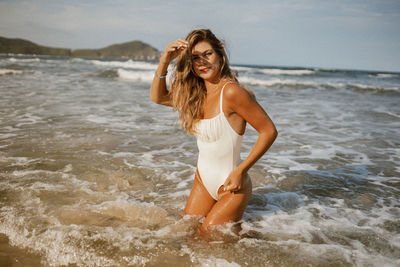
point(94, 174)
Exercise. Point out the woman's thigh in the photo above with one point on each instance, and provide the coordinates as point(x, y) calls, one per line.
point(199, 202)
point(230, 207)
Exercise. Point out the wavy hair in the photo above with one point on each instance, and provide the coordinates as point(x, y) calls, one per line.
point(187, 89)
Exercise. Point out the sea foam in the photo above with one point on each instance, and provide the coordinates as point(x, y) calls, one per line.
point(138, 76)
point(10, 72)
point(130, 64)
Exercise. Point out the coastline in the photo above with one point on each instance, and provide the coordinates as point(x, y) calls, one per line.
point(136, 50)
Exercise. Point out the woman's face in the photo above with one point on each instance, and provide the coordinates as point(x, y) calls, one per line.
point(205, 61)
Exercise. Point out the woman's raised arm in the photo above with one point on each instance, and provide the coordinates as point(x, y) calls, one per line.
point(159, 92)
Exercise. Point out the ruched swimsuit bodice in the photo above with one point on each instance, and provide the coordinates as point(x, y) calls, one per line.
point(219, 150)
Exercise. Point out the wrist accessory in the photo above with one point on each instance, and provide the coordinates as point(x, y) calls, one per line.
point(162, 76)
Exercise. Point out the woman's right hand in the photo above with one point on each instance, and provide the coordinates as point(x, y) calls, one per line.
point(158, 92)
point(174, 49)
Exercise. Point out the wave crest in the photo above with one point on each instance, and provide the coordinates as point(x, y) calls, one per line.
point(297, 84)
point(130, 64)
point(140, 76)
point(276, 71)
point(10, 72)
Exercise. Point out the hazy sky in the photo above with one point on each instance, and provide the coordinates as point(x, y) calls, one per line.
point(350, 34)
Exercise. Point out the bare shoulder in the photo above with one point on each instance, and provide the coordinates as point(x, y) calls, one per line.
point(234, 92)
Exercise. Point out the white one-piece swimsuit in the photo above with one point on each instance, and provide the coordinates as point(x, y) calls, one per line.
point(219, 150)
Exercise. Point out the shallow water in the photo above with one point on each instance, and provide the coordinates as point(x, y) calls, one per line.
point(94, 174)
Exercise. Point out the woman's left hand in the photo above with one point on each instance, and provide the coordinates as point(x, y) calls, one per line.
point(234, 181)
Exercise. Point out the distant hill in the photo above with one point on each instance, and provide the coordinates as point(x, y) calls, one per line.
point(133, 50)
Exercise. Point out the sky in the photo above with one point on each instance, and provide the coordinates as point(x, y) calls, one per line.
point(340, 34)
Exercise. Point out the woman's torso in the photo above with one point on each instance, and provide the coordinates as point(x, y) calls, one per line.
point(219, 148)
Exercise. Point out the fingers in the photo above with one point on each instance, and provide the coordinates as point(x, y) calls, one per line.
point(224, 187)
point(179, 44)
point(234, 182)
point(182, 41)
point(174, 49)
point(231, 187)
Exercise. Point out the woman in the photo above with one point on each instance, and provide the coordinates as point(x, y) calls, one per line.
point(215, 108)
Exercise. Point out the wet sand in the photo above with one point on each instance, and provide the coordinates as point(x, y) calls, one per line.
point(11, 256)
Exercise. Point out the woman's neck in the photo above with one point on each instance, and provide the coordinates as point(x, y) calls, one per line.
point(212, 86)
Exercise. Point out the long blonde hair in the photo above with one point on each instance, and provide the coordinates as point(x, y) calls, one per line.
point(187, 89)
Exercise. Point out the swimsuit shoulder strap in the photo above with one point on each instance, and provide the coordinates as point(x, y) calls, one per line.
point(221, 96)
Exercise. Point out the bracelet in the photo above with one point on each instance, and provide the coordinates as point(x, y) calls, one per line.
point(162, 76)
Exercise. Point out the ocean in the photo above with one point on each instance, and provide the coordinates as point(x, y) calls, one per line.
point(92, 173)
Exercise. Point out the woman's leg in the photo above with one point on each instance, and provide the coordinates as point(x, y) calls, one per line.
point(199, 202)
point(230, 206)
